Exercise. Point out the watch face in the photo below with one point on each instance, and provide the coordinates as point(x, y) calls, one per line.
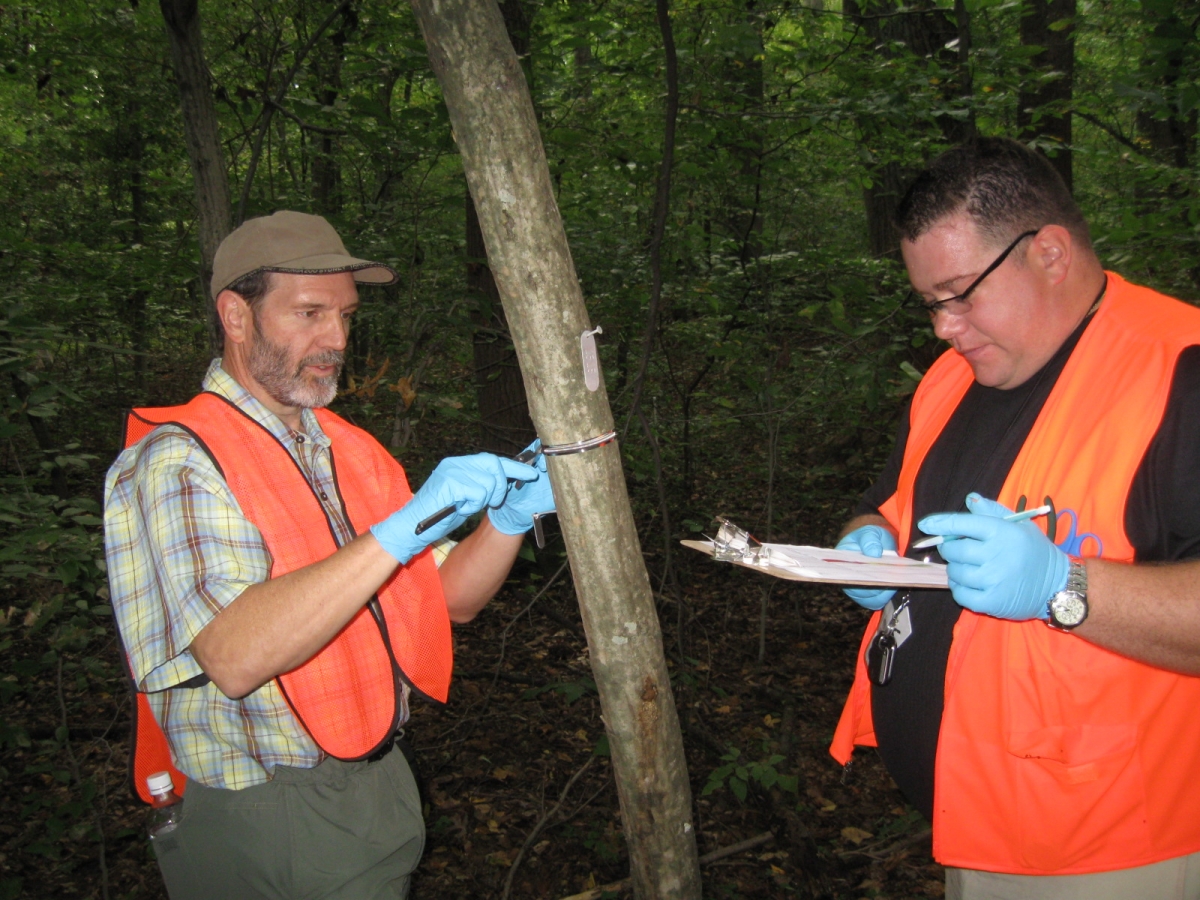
point(1069, 608)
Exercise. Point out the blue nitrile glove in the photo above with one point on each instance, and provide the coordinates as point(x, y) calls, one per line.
point(1009, 570)
point(515, 515)
point(869, 540)
point(469, 482)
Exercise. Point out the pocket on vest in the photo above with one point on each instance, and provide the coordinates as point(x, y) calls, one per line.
point(1080, 788)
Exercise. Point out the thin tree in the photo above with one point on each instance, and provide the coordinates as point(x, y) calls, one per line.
point(1044, 102)
point(201, 134)
point(662, 205)
point(505, 164)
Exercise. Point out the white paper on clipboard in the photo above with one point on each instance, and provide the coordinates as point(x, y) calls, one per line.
point(795, 562)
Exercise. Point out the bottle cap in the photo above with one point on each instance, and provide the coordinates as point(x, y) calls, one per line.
point(160, 783)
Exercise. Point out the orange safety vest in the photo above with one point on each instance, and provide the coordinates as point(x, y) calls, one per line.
point(1056, 756)
point(347, 695)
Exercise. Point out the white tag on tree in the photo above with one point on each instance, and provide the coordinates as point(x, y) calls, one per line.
point(591, 360)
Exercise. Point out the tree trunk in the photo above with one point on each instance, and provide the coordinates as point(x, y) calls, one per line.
point(496, 130)
point(327, 68)
point(1044, 105)
point(1172, 136)
point(927, 32)
point(201, 134)
point(745, 73)
point(888, 182)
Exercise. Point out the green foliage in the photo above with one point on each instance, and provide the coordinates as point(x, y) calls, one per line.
point(738, 774)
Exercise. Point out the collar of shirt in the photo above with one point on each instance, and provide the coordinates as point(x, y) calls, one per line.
point(220, 382)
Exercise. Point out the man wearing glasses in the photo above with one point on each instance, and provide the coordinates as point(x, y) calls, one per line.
point(1043, 711)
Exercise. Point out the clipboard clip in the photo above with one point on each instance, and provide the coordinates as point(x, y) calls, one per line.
point(733, 544)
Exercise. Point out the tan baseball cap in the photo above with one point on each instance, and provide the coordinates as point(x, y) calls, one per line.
point(291, 242)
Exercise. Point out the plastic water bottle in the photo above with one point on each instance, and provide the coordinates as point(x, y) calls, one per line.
point(168, 805)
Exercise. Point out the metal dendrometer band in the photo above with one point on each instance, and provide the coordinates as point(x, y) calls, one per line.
point(580, 446)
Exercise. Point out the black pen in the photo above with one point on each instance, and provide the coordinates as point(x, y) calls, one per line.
point(526, 456)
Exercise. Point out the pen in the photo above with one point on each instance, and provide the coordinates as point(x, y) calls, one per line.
point(1015, 517)
point(525, 456)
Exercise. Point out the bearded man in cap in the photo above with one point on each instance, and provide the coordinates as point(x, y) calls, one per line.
point(280, 593)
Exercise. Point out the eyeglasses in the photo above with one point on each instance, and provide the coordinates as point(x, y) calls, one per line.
point(961, 303)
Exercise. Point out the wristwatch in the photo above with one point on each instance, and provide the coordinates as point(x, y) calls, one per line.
point(1069, 607)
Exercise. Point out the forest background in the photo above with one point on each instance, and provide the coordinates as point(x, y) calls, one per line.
point(756, 313)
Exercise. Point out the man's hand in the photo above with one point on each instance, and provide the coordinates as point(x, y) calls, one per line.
point(869, 540)
point(515, 515)
point(1009, 570)
point(468, 483)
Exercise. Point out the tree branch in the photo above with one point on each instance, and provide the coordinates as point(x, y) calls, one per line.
point(305, 125)
point(1113, 133)
point(623, 885)
point(542, 823)
point(272, 104)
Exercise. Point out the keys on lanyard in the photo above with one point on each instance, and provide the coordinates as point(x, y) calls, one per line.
point(895, 626)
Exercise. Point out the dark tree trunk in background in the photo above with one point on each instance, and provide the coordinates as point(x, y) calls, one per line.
point(888, 182)
point(505, 163)
point(213, 208)
point(504, 423)
point(135, 305)
point(585, 63)
point(1044, 103)
point(1172, 137)
point(745, 200)
point(932, 34)
point(327, 67)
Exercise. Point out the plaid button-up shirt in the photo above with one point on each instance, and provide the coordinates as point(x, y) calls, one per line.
point(179, 551)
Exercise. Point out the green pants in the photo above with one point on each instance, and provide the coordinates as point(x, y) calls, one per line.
point(1172, 879)
point(340, 830)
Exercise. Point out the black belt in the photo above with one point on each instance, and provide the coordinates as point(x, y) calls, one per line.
point(384, 749)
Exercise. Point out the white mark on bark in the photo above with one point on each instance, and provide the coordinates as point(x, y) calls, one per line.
point(631, 627)
point(620, 639)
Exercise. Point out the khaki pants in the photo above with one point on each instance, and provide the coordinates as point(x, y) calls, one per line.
point(1172, 879)
point(342, 831)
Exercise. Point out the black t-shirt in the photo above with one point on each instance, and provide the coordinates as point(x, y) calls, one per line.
point(974, 453)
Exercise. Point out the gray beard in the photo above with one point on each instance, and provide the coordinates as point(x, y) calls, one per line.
point(270, 366)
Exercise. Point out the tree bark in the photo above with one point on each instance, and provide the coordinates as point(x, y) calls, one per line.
point(496, 130)
point(1043, 107)
point(213, 208)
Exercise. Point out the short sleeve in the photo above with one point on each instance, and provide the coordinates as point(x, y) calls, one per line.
point(1162, 514)
point(179, 551)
